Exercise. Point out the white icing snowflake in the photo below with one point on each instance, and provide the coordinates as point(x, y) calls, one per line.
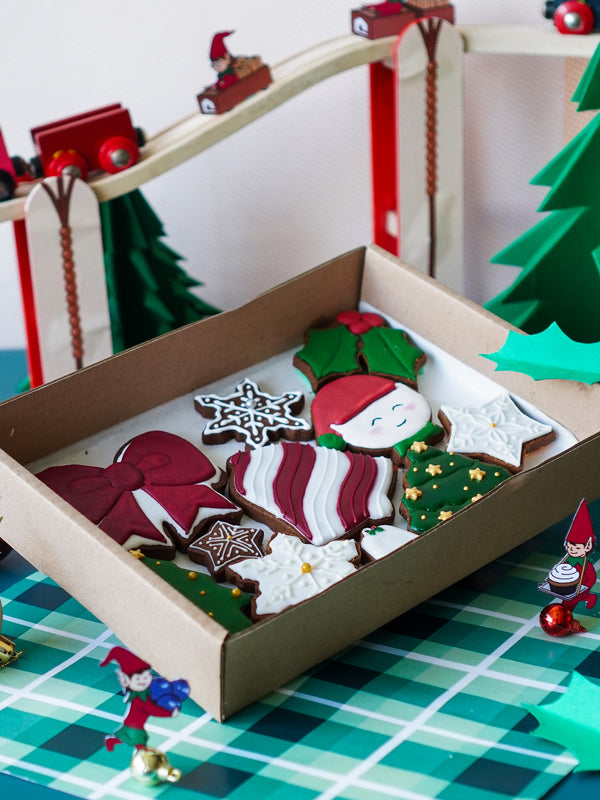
point(294, 571)
point(252, 415)
point(498, 429)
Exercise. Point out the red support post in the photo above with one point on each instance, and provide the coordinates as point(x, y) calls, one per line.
point(34, 359)
point(384, 162)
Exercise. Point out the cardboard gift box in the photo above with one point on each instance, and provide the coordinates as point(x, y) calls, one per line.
point(228, 671)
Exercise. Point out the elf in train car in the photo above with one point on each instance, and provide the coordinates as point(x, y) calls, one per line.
point(222, 61)
point(579, 544)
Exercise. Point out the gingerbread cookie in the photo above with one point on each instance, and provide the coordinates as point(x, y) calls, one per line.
point(225, 605)
point(439, 484)
point(497, 431)
point(358, 343)
point(371, 414)
point(160, 493)
point(252, 416)
point(225, 545)
point(293, 571)
point(316, 493)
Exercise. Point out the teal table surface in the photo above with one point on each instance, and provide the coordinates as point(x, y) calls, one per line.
point(429, 706)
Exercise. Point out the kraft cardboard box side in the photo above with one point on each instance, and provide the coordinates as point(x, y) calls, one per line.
point(228, 672)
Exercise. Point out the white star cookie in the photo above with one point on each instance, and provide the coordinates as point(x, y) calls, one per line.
point(498, 430)
point(293, 571)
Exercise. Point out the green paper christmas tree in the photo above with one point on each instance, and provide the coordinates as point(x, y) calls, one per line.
point(560, 256)
point(148, 292)
point(438, 484)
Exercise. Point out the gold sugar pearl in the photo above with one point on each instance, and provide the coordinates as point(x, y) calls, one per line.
point(466, 488)
point(306, 567)
point(235, 592)
point(202, 592)
point(192, 576)
point(423, 516)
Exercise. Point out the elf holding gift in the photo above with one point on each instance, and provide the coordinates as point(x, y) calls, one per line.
point(147, 697)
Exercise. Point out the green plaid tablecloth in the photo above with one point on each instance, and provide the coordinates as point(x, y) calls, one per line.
point(427, 707)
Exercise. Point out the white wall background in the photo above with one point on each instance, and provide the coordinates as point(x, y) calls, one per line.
point(292, 189)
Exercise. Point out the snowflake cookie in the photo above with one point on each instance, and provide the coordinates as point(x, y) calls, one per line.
point(293, 571)
point(252, 416)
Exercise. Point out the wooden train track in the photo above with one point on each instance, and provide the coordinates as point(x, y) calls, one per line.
point(198, 132)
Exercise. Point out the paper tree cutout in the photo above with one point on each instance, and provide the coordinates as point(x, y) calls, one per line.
point(149, 293)
point(549, 354)
point(573, 721)
point(560, 256)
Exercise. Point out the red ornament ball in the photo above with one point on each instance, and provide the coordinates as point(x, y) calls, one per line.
point(557, 620)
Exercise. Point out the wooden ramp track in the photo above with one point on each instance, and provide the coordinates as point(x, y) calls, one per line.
point(198, 132)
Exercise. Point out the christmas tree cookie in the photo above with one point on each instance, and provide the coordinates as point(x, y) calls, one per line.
point(438, 484)
point(356, 344)
point(224, 604)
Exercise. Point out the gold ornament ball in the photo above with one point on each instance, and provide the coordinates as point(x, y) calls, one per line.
point(150, 767)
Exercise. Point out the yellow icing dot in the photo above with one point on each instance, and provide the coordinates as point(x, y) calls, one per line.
point(236, 592)
point(306, 567)
point(192, 576)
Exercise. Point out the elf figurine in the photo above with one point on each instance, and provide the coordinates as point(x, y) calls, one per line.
point(222, 61)
point(579, 543)
point(147, 697)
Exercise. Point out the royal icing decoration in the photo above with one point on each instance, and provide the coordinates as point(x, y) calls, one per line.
point(294, 571)
point(159, 490)
point(224, 545)
point(438, 484)
point(497, 429)
point(252, 416)
point(319, 493)
point(381, 540)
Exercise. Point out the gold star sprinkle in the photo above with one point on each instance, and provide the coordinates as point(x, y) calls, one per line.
point(443, 515)
point(418, 447)
point(477, 474)
point(434, 469)
point(137, 553)
point(476, 498)
point(413, 493)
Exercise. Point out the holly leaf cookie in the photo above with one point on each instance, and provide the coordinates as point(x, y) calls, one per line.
point(252, 416)
point(356, 344)
point(439, 484)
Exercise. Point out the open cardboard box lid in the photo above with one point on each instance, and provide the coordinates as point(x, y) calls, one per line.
point(227, 672)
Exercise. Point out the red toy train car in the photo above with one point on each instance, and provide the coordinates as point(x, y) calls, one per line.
point(101, 139)
point(574, 16)
point(392, 16)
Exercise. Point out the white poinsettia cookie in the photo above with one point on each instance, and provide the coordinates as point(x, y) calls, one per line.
point(293, 571)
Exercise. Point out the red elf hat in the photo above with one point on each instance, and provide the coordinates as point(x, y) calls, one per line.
point(581, 530)
point(218, 48)
point(127, 661)
point(344, 398)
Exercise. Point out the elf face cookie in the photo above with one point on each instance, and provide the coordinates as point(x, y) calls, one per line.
point(159, 492)
point(313, 492)
point(370, 414)
point(497, 431)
